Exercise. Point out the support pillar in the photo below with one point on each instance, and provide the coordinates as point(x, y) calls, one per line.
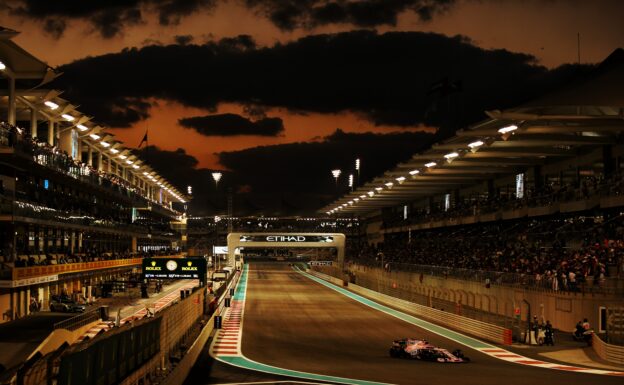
point(72, 242)
point(90, 155)
point(100, 165)
point(45, 300)
point(51, 132)
point(14, 303)
point(11, 114)
point(27, 300)
point(33, 123)
point(21, 300)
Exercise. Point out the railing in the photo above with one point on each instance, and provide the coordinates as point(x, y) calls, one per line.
point(613, 286)
point(38, 271)
point(64, 164)
point(608, 352)
point(78, 321)
point(40, 212)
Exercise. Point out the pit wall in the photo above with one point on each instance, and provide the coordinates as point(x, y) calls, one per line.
point(177, 322)
point(563, 309)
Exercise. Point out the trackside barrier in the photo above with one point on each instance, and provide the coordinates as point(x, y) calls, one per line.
point(608, 352)
point(488, 332)
point(180, 372)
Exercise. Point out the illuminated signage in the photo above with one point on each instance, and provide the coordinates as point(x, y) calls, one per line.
point(293, 238)
point(174, 268)
point(320, 263)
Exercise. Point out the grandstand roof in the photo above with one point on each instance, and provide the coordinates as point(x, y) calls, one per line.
point(559, 125)
point(31, 72)
point(20, 63)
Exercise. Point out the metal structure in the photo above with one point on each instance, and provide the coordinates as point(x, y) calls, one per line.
point(560, 126)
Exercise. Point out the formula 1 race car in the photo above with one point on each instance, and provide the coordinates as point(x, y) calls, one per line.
point(423, 350)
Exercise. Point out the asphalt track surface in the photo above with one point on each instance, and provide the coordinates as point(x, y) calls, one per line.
point(293, 322)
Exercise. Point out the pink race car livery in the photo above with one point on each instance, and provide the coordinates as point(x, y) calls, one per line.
point(423, 350)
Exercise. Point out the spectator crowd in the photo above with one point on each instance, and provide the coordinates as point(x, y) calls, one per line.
point(556, 253)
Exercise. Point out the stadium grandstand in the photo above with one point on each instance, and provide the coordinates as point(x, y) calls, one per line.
point(523, 212)
point(77, 206)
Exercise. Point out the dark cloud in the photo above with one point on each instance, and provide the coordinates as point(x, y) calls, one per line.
point(183, 39)
point(54, 27)
point(292, 14)
point(386, 78)
point(111, 17)
point(287, 179)
point(232, 125)
point(111, 22)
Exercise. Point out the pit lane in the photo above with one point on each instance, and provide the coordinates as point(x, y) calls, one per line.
point(293, 322)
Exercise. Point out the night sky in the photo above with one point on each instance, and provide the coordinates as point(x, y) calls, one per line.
point(276, 93)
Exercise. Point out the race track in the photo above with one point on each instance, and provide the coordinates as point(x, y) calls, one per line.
point(293, 322)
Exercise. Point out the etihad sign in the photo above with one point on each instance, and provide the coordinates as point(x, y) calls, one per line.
point(286, 238)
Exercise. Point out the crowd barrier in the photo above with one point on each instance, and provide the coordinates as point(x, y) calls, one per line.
point(489, 332)
point(608, 352)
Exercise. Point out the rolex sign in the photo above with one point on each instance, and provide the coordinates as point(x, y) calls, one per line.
point(174, 268)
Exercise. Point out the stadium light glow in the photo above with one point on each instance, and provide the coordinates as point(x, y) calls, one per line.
point(216, 176)
point(389, 184)
point(356, 199)
point(351, 203)
point(136, 166)
point(350, 180)
point(122, 156)
point(82, 127)
point(414, 172)
point(129, 162)
point(145, 173)
point(371, 193)
point(357, 164)
point(336, 173)
point(430, 164)
point(451, 155)
point(475, 144)
point(105, 144)
point(51, 105)
point(68, 117)
point(508, 129)
point(114, 150)
point(378, 188)
point(95, 136)
point(363, 196)
point(2, 66)
point(400, 179)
